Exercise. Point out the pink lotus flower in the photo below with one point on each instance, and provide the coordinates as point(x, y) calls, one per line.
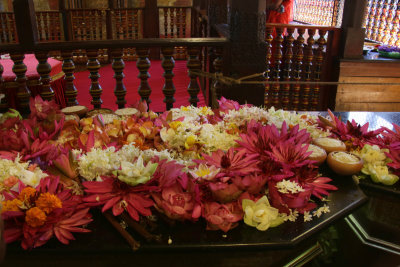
point(179, 203)
point(232, 162)
point(253, 184)
point(394, 155)
point(38, 220)
point(285, 201)
point(42, 109)
point(224, 192)
point(226, 105)
point(112, 193)
point(222, 216)
point(353, 134)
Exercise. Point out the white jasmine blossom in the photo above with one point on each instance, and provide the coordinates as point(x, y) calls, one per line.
point(287, 186)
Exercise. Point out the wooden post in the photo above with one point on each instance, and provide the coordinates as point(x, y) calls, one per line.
point(151, 24)
point(353, 33)
point(248, 49)
point(25, 22)
point(65, 22)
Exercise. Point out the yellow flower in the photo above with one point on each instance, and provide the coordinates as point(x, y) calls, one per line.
point(11, 205)
point(175, 124)
point(190, 141)
point(48, 202)
point(26, 194)
point(260, 214)
point(184, 108)
point(35, 217)
point(204, 172)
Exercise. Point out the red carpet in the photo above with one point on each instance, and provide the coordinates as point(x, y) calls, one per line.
point(131, 81)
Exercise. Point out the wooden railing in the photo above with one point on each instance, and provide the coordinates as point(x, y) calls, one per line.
point(8, 32)
point(321, 13)
point(42, 50)
point(300, 53)
point(382, 22)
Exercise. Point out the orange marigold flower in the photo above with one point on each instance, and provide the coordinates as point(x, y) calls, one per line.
point(48, 202)
point(11, 205)
point(27, 193)
point(35, 217)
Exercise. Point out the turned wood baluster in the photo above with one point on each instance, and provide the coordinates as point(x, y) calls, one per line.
point(183, 22)
point(118, 66)
point(193, 64)
point(168, 64)
point(375, 28)
point(93, 66)
point(172, 22)
point(318, 68)
point(389, 21)
point(3, 91)
point(287, 68)
point(396, 22)
point(268, 45)
point(136, 23)
point(298, 69)
point(165, 22)
point(370, 18)
point(39, 25)
point(309, 55)
point(382, 20)
point(23, 94)
point(278, 61)
point(143, 64)
point(44, 69)
point(218, 63)
point(68, 68)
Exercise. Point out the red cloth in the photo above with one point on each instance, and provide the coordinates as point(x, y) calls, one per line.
point(283, 18)
point(58, 87)
point(132, 82)
point(31, 64)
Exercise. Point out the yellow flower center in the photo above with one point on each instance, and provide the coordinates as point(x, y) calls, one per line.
point(35, 217)
point(184, 108)
point(203, 172)
point(190, 141)
point(175, 124)
point(48, 202)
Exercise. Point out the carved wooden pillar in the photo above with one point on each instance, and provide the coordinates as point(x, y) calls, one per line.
point(3, 90)
point(277, 69)
point(247, 50)
point(371, 19)
point(382, 21)
point(287, 68)
point(268, 41)
point(165, 22)
point(298, 69)
point(23, 93)
point(218, 64)
point(396, 21)
point(193, 64)
point(305, 98)
point(375, 27)
point(318, 69)
point(118, 66)
point(68, 68)
point(143, 64)
point(93, 66)
point(168, 64)
point(44, 69)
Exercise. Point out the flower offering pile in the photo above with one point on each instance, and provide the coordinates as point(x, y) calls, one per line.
point(236, 164)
